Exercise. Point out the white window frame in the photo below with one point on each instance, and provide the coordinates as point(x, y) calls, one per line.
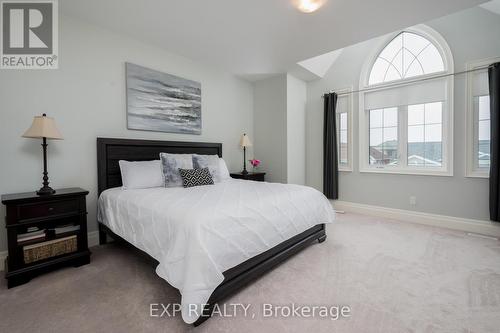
point(349, 97)
point(447, 125)
point(470, 163)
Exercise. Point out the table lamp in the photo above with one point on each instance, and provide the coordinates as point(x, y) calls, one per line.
point(44, 128)
point(244, 143)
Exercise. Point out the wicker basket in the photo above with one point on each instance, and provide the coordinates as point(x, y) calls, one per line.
point(44, 250)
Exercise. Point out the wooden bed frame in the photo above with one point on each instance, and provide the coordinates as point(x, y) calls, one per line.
point(110, 151)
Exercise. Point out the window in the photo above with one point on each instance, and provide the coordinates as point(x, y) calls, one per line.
point(343, 144)
point(482, 144)
point(344, 132)
point(384, 136)
point(478, 119)
point(425, 142)
point(406, 122)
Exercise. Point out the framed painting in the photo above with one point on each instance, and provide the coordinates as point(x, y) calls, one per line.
point(162, 102)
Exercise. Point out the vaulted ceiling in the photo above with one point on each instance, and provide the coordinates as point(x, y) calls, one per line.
point(492, 6)
point(254, 37)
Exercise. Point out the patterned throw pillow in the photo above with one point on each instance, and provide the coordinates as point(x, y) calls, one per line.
point(208, 161)
point(171, 163)
point(195, 177)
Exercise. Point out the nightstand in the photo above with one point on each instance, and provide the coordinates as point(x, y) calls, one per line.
point(257, 176)
point(45, 232)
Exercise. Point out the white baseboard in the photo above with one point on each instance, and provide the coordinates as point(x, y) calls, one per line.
point(457, 223)
point(93, 240)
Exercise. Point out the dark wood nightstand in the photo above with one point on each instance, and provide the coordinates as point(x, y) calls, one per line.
point(257, 176)
point(45, 232)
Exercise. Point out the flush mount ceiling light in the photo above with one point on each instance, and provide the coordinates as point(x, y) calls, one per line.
point(308, 6)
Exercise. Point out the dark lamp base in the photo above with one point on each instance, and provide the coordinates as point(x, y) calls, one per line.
point(244, 172)
point(46, 190)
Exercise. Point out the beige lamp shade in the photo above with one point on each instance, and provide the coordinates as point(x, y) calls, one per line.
point(245, 141)
point(43, 127)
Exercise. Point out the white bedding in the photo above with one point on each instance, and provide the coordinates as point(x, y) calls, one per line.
point(198, 233)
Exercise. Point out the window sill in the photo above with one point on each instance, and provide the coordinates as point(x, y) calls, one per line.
point(416, 172)
point(478, 174)
point(345, 169)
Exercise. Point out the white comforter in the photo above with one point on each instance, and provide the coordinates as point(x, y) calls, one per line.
point(198, 233)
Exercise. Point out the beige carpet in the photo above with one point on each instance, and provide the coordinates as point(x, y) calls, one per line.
point(396, 277)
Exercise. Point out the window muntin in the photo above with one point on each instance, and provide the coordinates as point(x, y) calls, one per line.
point(383, 136)
point(425, 135)
point(407, 55)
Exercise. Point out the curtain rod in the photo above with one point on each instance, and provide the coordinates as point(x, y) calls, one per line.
point(408, 82)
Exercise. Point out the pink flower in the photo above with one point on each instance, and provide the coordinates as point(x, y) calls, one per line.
point(255, 163)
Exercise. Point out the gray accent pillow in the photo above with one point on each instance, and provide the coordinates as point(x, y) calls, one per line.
point(171, 163)
point(208, 161)
point(196, 177)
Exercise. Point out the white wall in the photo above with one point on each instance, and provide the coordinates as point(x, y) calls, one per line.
point(269, 140)
point(296, 130)
point(86, 95)
point(472, 35)
point(279, 126)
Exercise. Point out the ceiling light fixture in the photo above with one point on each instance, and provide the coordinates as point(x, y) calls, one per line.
point(308, 6)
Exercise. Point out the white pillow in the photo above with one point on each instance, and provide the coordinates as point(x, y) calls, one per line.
point(223, 171)
point(143, 174)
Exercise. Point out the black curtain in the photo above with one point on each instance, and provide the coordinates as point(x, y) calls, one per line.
point(330, 165)
point(494, 82)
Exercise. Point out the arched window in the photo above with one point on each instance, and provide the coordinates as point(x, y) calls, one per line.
point(406, 105)
point(407, 55)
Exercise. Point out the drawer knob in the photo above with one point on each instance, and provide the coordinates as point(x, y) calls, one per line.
point(51, 209)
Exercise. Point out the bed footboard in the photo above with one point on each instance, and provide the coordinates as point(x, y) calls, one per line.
point(241, 275)
point(244, 273)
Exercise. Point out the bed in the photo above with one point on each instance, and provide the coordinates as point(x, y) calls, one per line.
point(207, 241)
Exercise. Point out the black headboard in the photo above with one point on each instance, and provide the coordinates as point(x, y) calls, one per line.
point(110, 151)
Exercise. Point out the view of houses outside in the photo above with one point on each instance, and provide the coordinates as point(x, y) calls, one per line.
point(419, 154)
point(484, 154)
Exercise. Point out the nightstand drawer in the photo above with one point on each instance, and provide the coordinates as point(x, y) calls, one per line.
point(29, 211)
